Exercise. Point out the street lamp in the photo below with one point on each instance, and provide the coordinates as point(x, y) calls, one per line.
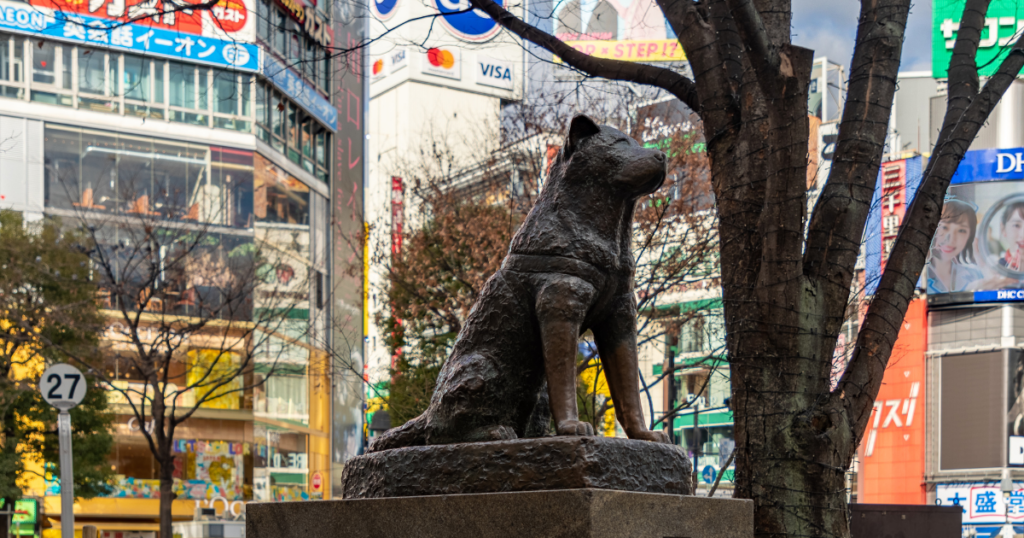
point(1006, 485)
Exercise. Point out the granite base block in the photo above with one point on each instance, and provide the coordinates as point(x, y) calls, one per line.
point(572, 513)
point(540, 464)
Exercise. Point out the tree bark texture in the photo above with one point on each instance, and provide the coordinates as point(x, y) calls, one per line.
point(786, 276)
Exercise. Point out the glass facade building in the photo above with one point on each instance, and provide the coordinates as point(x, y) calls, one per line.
point(197, 139)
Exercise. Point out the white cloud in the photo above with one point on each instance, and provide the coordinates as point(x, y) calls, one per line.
point(829, 28)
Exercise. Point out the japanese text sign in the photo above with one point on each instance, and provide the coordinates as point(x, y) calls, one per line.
point(1004, 20)
point(227, 19)
point(983, 502)
point(95, 32)
point(296, 89)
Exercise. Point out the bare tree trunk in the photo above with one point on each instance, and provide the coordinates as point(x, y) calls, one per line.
point(166, 492)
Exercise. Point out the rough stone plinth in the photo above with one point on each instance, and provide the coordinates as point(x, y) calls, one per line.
point(549, 463)
point(574, 513)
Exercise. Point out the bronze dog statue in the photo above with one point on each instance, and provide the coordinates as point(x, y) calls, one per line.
point(570, 268)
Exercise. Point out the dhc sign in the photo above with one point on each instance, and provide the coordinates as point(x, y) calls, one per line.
point(494, 73)
point(1001, 164)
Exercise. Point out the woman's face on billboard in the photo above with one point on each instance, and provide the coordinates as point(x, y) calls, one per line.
point(1013, 231)
point(951, 237)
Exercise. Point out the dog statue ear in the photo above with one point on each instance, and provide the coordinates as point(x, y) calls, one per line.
point(581, 128)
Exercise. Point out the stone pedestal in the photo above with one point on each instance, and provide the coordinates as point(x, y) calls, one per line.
point(548, 463)
point(568, 513)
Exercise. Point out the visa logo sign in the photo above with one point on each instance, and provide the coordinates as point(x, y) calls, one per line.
point(399, 59)
point(499, 72)
point(495, 73)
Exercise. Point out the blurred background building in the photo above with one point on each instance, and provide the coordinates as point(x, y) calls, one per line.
point(225, 120)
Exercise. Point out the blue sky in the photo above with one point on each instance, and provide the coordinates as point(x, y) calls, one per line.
point(829, 27)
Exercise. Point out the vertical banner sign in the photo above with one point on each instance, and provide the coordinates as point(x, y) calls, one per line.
point(348, 83)
point(397, 214)
point(894, 191)
point(894, 194)
point(892, 454)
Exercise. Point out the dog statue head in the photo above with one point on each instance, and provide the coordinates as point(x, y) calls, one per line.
point(604, 154)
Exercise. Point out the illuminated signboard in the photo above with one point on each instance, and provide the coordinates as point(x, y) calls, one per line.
point(151, 40)
point(633, 31)
point(892, 454)
point(228, 19)
point(977, 253)
point(1004, 21)
point(897, 183)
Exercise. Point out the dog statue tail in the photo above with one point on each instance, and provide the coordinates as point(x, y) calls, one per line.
point(412, 433)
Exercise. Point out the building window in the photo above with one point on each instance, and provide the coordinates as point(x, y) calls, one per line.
point(293, 132)
point(51, 74)
point(120, 174)
point(101, 81)
point(288, 39)
point(12, 61)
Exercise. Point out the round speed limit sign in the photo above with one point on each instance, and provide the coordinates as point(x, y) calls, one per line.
point(63, 386)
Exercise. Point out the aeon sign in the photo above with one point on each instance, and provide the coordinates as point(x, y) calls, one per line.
point(467, 24)
point(384, 9)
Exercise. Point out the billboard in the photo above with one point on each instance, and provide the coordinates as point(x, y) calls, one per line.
point(983, 502)
point(139, 38)
point(632, 30)
point(894, 191)
point(977, 253)
point(233, 20)
point(347, 182)
point(1004, 19)
point(892, 455)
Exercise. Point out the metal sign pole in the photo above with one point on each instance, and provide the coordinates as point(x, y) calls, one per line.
point(67, 481)
point(62, 387)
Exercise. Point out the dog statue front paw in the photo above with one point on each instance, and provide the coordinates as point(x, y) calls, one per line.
point(575, 427)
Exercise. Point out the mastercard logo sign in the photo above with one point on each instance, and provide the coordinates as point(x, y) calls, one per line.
point(378, 67)
point(442, 62)
point(442, 58)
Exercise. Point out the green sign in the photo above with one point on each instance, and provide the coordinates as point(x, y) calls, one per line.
point(23, 522)
point(1004, 19)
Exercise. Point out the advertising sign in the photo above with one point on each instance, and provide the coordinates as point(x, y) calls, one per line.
point(978, 249)
point(150, 40)
point(397, 214)
point(234, 20)
point(892, 458)
point(398, 59)
point(346, 294)
point(302, 93)
point(1004, 19)
point(628, 30)
point(384, 9)
point(894, 191)
point(1015, 454)
point(494, 72)
point(465, 24)
point(442, 62)
point(641, 50)
point(983, 502)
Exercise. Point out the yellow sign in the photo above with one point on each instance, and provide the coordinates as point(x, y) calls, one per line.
point(641, 50)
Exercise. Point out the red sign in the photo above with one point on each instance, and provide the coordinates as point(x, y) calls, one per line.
point(230, 16)
point(397, 214)
point(160, 13)
point(892, 452)
point(894, 203)
point(317, 482)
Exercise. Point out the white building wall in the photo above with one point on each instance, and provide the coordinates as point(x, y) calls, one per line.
point(412, 108)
